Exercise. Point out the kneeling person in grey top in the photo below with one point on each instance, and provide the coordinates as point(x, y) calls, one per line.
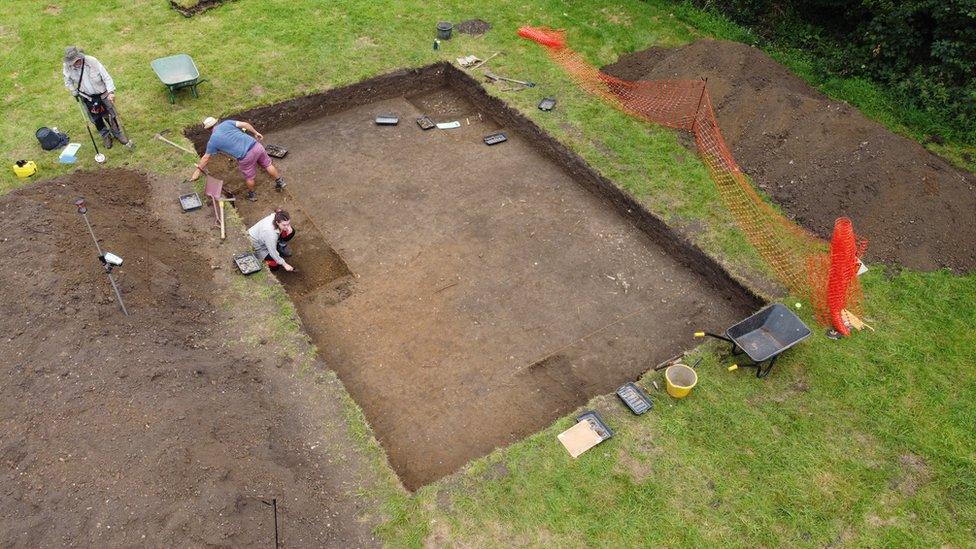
point(270, 238)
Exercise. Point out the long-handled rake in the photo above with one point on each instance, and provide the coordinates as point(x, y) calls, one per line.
point(160, 137)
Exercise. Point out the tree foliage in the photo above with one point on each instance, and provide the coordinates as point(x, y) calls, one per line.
point(924, 49)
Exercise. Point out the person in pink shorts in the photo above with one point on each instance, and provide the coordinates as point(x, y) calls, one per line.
point(234, 138)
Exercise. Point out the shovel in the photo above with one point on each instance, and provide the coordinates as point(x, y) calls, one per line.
point(114, 118)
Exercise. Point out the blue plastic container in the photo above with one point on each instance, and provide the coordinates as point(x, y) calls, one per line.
point(69, 154)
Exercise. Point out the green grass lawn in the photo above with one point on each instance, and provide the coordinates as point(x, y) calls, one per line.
point(867, 441)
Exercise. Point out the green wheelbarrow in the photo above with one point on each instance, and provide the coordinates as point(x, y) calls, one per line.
point(177, 72)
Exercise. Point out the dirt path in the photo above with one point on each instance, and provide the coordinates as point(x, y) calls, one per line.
point(490, 292)
point(159, 428)
point(822, 159)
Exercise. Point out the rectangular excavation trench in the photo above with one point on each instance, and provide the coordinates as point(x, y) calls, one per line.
point(469, 295)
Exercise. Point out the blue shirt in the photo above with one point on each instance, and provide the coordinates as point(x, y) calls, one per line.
point(228, 138)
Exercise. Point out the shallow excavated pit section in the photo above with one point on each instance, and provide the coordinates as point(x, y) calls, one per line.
point(494, 289)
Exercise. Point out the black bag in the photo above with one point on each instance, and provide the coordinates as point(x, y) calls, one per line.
point(96, 106)
point(51, 139)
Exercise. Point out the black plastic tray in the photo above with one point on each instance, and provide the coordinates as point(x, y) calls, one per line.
point(388, 120)
point(635, 398)
point(277, 151)
point(190, 202)
point(247, 263)
point(425, 122)
point(598, 425)
point(547, 104)
point(495, 138)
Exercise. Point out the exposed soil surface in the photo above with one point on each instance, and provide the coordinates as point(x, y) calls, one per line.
point(474, 27)
point(199, 7)
point(821, 159)
point(153, 429)
point(492, 291)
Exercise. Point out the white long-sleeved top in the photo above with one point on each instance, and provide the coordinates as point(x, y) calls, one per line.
point(95, 80)
point(264, 237)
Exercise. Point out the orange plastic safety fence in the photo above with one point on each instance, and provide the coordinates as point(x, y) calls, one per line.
point(798, 258)
point(835, 277)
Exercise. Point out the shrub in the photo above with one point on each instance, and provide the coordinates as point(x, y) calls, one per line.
point(924, 50)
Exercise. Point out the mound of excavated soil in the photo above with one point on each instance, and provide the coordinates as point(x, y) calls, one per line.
point(149, 429)
point(821, 159)
point(475, 27)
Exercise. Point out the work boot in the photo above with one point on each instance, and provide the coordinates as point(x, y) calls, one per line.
point(280, 184)
point(252, 196)
point(283, 249)
point(121, 137)
point(107, 140)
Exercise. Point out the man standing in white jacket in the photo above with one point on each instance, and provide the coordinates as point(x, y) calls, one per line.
point(86, 79)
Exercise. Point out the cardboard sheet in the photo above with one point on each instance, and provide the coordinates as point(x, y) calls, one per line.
point(579, 438)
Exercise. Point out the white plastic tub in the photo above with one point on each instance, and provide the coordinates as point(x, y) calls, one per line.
point(70, 153)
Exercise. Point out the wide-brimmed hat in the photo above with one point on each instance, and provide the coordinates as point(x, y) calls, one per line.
point(209, 122)
point(72, 54)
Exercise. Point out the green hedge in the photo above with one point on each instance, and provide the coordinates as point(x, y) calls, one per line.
point(924, 50)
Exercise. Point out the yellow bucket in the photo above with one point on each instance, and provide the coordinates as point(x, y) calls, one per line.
point(680, 379)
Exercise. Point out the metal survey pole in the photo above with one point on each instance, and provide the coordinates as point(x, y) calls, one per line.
point(83, 210)
point(698, 108)
point(274, 505)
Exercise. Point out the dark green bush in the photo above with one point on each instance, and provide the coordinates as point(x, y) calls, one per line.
point(924, 50)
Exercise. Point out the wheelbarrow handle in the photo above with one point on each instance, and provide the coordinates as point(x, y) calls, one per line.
point(716, 336)
point(761, 371)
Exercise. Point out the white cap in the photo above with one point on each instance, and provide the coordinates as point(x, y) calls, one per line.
point(209, 122)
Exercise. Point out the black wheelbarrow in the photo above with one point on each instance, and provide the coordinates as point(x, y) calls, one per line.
point(177, 72)
point(763, 336)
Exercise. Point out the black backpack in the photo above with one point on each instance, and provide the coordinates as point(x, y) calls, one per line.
point(51, 139)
